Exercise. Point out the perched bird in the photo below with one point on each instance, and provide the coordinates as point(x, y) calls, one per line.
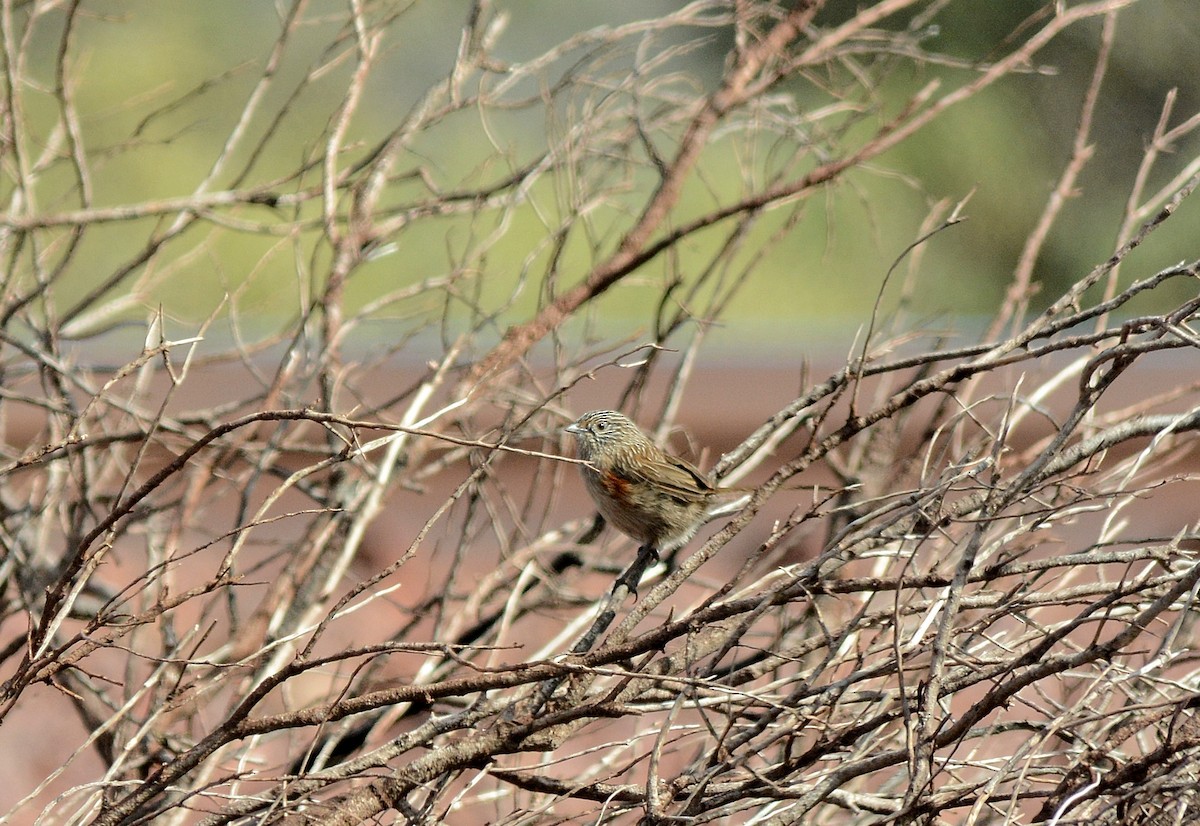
point(656, 498)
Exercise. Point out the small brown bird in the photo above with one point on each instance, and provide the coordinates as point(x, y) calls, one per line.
point(657, 499)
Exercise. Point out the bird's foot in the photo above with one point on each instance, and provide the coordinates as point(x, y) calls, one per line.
point(647, 554)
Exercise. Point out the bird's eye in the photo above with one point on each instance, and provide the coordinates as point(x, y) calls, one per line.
point(600, 425)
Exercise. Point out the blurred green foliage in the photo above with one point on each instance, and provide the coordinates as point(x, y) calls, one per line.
point(160, 84)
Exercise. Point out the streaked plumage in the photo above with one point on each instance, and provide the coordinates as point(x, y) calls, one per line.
point(658, 499)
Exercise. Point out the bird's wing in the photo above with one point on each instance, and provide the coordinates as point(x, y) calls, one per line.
point(676, 477)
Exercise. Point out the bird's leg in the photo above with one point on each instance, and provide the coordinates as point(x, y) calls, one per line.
point(633, 574)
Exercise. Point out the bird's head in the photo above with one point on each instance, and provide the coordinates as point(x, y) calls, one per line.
point(601, 432)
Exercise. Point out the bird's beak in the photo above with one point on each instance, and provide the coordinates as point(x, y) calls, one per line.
point(573, 427)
